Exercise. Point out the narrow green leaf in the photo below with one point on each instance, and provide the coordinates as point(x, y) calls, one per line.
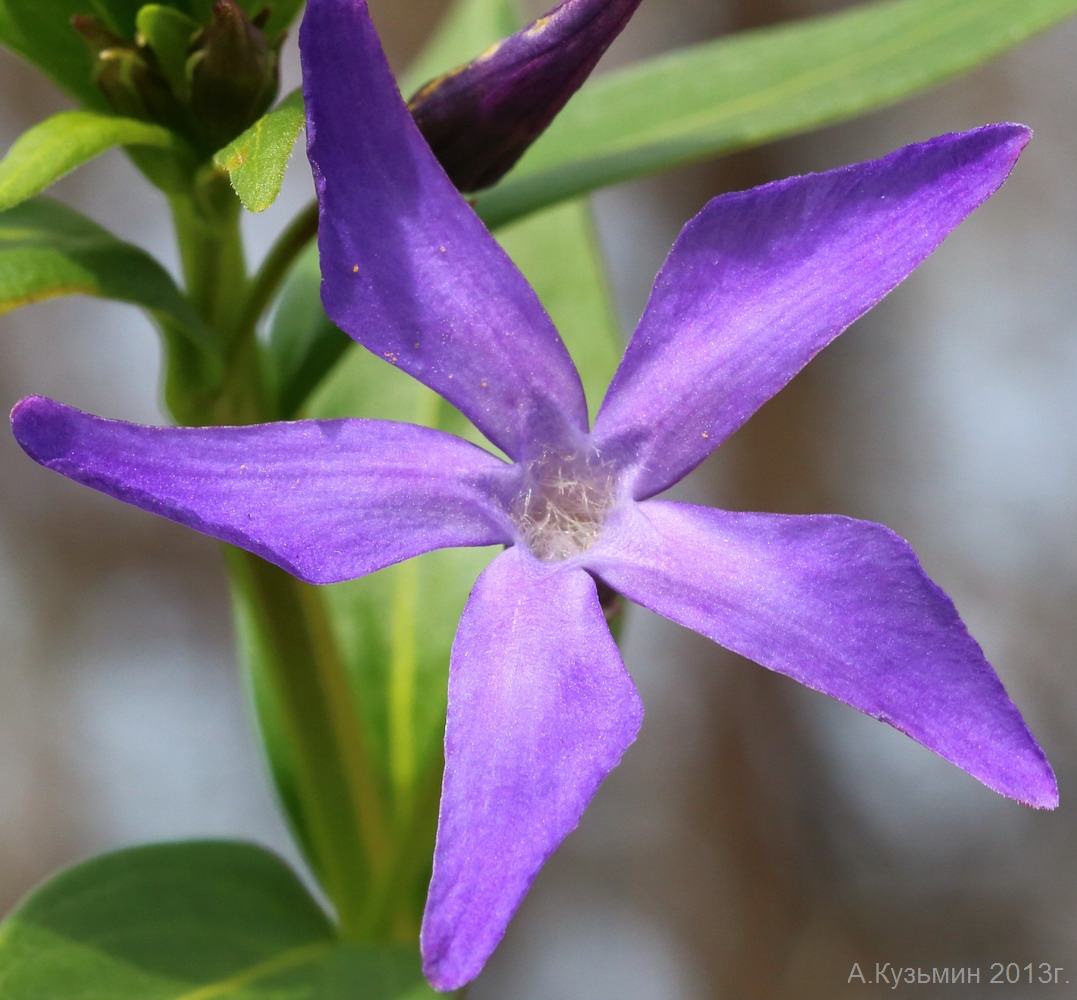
point(468, 27)
point(208, 920)
point(56, 146)
point(48, 250)
point(752, 88)
point(558, 251)
point(255, 160)
point(304, 344)
point(40, 31)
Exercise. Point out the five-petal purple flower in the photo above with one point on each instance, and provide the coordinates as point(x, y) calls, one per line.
point(540, 706)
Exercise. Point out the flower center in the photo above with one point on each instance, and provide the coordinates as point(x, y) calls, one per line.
point(563, 502)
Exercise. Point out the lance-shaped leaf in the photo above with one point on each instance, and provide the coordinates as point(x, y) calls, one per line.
point(40, 31)
point(479, 119)
point(467, 27)
point(755, 87)
point(48, 250)
point(52, 148)
point(213, 919)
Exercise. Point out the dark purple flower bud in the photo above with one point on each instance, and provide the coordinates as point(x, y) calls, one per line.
point(233, 73)
point(480, 119)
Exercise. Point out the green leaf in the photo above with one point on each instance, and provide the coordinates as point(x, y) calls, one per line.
point(56, 146)
point(468, 27)
point(558, 251)
point(759, 86)
point(255, 160)
point(304, 344)
point(48, 250)
point(190, 921)
point(40, 31)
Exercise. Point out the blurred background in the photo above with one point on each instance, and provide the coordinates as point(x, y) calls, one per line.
point(758, 839)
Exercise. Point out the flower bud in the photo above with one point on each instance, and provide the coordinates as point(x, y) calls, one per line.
point(129, 76)
point(233, 73)
point(481, 118)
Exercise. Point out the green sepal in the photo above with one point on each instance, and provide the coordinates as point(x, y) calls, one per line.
point(752, 88)
point(169, 33)
point(281, 12)
point(255, 160)
point(208, 920)
point(56, 146)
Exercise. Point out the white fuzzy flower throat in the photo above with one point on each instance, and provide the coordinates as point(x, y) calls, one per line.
point(563, 504)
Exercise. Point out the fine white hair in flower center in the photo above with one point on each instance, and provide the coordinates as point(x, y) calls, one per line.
point(563, 503)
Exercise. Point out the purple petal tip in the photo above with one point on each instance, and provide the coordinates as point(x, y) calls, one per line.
point(42, 427)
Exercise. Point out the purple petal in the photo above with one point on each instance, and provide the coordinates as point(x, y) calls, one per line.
point(540, 711)
point(761, 280)
point(841, 606)
point(326, 500)
point(408, 270)
point(479, 119)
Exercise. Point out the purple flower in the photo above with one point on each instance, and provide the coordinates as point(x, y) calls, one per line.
point(540, 706)
point(480, 119)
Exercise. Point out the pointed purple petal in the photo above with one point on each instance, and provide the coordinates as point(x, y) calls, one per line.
point(408, 270)
point(540, 711)
point(326, 500)
point(841, 606)
point(761, 280)
point(480, 119)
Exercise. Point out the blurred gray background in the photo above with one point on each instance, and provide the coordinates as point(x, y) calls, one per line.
point(758, 839)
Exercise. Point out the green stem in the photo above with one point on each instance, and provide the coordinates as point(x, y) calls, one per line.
point(215, 275)
point(307, 709)
point(211, 255)
point(340, 813)
point(278, 262)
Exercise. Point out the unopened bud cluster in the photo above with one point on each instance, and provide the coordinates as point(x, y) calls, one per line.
point(207, 82)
